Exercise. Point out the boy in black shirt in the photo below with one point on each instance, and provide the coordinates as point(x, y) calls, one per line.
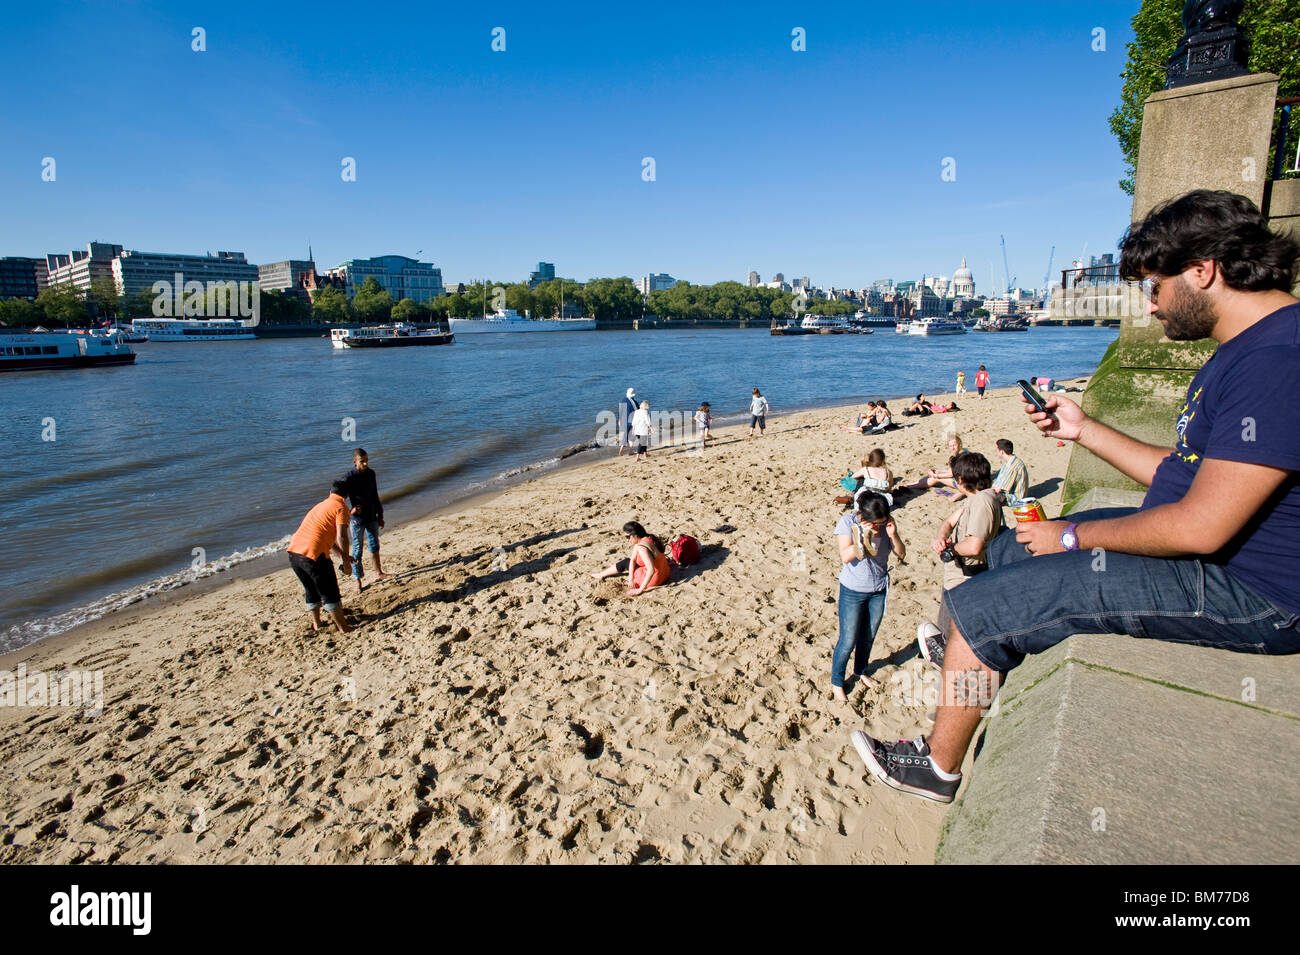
point(367, 514)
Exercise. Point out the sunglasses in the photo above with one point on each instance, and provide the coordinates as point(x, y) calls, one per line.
point(1150, 288)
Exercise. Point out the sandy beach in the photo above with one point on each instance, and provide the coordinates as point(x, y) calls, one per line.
point(496, 704)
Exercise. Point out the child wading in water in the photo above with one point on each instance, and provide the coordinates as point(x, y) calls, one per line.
point(703, 420)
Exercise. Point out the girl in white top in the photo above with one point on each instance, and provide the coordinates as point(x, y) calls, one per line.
point(875, 477)
point(758, 409)
point(641, 431)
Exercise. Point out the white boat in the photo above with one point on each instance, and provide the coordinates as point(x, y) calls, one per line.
point(129, 334)
point(509, 320)
point(192, 329)
point(936, 326)
point(826, 323)
point(388, 336)
point(38, 350)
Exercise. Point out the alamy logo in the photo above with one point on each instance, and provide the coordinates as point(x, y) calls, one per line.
point(193, 299)
point(103, 908)
point(84, 688)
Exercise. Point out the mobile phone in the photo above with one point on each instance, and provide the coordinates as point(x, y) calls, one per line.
point(1032, 396)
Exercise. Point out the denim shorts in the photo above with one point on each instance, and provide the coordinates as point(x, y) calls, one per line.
point(1026, 604)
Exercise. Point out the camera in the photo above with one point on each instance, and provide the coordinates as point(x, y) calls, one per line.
point(948, 556)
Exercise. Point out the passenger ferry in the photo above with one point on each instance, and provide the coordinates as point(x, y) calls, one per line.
point(509, 320)
point(863, 318)
point(935, 326)
point(192, 329)
point(388, 336)
point(827, 324)
point(44, 349)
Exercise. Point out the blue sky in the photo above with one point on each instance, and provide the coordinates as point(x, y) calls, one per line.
point(824, 163)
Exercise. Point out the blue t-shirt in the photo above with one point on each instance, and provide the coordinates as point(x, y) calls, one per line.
point(1241, 406)
point(871, 574)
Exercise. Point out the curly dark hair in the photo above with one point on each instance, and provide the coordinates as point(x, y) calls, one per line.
point(1210, 224)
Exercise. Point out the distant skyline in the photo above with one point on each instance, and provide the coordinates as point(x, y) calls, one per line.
point(827, 162)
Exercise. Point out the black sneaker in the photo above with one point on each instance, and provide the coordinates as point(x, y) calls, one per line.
point(904, 766)
point(931, 643)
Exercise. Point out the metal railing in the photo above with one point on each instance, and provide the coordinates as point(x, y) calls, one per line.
point(1091, 275)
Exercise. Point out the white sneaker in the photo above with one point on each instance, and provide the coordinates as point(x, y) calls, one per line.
point(929, 640)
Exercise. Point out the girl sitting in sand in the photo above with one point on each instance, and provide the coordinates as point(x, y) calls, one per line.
point(875, 477)
point(865, 419)
point(884, 420)
point(865, 538)
point(646, 566)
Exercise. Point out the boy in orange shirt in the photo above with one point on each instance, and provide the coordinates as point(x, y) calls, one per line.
point(324, 529)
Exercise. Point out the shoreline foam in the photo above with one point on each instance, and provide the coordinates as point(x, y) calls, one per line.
point(29, 633)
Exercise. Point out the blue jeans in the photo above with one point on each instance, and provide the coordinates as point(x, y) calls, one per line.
point(357, 525)
point(860, 616)
point(1025, 604)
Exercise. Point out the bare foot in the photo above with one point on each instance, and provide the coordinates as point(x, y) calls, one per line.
point(382, 576)
point(837, 694)
point(867, 682)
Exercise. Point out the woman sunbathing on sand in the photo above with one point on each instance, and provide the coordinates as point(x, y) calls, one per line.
point(646, 566)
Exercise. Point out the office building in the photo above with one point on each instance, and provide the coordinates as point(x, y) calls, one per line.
point(79, 269)
point(545, 273)
point(295, 277)
point(136, 272)
point(655, 282)
point(403, 277)
point(753, 280)
point(18, 277)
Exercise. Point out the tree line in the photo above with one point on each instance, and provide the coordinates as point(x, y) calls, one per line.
point(607, 299)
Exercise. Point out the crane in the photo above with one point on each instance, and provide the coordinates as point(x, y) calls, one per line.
point(1006, 269)
point(1047, 279)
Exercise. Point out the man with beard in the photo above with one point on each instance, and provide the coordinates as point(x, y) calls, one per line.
point(1212, 555)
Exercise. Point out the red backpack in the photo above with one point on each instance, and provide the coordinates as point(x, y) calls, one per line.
point(684, 550)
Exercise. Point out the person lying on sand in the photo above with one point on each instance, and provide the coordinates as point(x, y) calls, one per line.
point(646, 566)
point(918, 407)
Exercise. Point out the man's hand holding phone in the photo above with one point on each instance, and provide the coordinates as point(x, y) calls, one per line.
point(1063, 419)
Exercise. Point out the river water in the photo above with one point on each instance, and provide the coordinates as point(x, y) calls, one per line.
point(120, 481)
